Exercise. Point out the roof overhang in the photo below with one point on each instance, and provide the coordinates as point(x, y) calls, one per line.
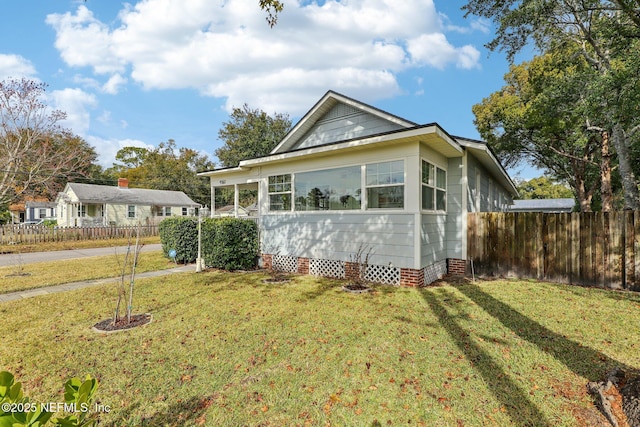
point(485, 156)
point(432, 135)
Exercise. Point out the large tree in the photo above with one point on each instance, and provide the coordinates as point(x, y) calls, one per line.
point(250, 133)
point(605, 33)
point(36, 153)
point(543, 188)
point(546, 114)
point(165, 167)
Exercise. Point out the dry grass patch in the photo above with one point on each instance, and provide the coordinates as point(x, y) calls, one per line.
point(37, 275)
point(71, 244)
point(227, 349)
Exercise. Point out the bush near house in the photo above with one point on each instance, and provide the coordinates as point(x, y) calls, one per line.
point(227, 243)
point(180, 234)
point(230, 243)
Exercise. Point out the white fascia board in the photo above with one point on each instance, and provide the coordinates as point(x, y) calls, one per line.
point(399, 136)
point(496, 164)
point(222, 171)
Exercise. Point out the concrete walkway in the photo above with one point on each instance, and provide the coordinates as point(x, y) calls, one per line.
point(86, 284)
point(31, 257)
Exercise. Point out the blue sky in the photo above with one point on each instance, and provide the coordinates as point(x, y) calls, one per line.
point(144, 72)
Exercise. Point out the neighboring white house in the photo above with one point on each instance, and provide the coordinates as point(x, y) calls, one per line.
point(350, 176)
point(230, 210)
point(35, 211)
point(90, 204)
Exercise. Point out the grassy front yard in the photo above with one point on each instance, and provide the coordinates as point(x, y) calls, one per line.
point(70, 244)
point(225, 349)
point(30, 276)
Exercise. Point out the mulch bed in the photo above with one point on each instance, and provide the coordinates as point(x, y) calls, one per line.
point(356, 288)
point(618, 397)
point(122, 324)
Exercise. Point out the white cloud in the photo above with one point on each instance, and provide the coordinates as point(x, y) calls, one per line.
point(108, 148)
point(226, 49)
point(113, 85)
point(435, 51)
point(15, 66)
point(76, 103)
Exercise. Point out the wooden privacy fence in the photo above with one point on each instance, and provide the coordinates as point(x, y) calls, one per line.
point(14, 234)
point(591, 248)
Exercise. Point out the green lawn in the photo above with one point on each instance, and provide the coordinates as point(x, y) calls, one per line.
point(228, 350)
point(71, 244)
point(20, 277)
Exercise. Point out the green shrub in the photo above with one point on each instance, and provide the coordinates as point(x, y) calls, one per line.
point(18, 411)
point(180, 234)
point(227, 243)
point(230, 243)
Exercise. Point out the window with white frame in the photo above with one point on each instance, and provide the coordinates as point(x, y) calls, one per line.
point(329, 189)
point(131, 211)
point(434, 187)
point(164, 211)
point(42, 213)
point(280, 192)
point(82, 211)
point(385, 185)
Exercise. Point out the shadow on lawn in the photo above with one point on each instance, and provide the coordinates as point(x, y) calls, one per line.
point(517, 404)
point(179, 413)
point(582, 360)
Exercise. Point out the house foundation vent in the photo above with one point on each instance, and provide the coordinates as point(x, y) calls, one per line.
point(326, 268)
point(435, 271)
point(383, 274)
point(285, 263)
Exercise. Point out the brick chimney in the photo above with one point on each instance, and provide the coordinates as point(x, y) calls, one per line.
point(123, 183)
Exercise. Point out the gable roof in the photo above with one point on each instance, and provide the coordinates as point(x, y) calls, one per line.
point(335, 106)
point(92, 193)
point(488, 159)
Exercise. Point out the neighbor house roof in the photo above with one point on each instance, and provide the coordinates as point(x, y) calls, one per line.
point(543, 205)
point(92, 193)
point(40, 205)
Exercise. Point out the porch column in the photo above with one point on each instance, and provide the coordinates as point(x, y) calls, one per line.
point(236, 199)
point(213, 200)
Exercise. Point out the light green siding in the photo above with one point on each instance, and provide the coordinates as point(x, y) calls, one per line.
point(337, 236)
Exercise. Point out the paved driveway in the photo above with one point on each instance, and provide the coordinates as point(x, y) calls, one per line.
point(29, 258)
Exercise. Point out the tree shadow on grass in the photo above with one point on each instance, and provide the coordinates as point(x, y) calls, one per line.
point(516, 402)
point(582, 360)
point(179, 413)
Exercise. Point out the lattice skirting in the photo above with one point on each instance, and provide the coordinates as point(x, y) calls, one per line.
point(285, 263)
point(434, 271)
point(375, 273)
point(326, 268)
point(383, 274)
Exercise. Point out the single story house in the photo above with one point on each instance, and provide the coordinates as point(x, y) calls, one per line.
point(230, 210)
point(543, 205)
point(36, 211)
point(349, 176)
point(82, 205)
point(32, 211)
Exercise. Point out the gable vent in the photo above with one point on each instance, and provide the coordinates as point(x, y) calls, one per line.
point(340, 110)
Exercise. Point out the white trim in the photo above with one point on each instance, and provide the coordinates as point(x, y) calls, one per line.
point(464, 207)
point(328, 101)
point(394, 136)
point(435, 187)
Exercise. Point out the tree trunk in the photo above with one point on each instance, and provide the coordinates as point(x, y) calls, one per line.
point(629, 184)
point(584, 197)
point(605, 175)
